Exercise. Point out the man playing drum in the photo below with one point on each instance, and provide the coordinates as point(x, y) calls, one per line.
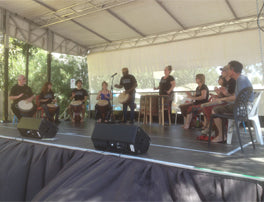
point(129, 82)
point(78, 94)
point(103, 107)
point(48, 102)
point(22, 93)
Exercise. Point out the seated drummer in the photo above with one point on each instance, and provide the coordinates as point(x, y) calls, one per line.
point(129, 82)
point(235, 69)
point(47, 97)
point(219, 90)
point(103, 94)
point(201, 96)
point(79, 94)
point(21, 92)
point(224, 92)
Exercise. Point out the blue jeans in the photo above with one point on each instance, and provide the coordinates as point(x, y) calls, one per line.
point(131, 105)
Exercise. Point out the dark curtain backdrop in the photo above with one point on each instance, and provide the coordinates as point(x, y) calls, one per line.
point(44, 173)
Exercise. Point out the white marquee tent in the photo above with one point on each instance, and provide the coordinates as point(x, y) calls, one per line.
point(144, 35)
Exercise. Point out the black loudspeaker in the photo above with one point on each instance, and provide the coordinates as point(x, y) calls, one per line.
point(120, 138)
point(36, 128)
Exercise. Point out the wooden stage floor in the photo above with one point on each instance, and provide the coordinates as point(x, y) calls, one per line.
point(170, 145)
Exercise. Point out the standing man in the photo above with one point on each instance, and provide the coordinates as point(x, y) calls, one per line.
point(241, 83)
point(20, 92)
point(129, 82)
point(79, 94)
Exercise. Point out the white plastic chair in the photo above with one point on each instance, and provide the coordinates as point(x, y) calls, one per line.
point(253, 116)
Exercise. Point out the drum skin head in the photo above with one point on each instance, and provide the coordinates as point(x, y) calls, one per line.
point(102, 103)
point(25, 106)
point(123, 98)
point(76, 102)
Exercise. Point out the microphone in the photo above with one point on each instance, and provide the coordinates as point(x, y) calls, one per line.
point(113, 75)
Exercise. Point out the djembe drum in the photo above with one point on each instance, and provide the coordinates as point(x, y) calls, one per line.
point(24, 107)
point(76, 107)
point(102, 107)
point(52, 109)
point(123, 98)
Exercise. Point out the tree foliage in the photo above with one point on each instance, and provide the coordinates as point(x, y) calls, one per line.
point(63, 69)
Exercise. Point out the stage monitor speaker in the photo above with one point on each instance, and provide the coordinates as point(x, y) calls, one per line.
point(120, 138)
point(36, 128)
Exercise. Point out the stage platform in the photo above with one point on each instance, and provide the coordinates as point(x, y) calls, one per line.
point(170, 146)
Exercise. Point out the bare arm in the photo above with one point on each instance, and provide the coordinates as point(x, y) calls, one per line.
point(118, 86)
point(201, 97)
point(173, 84)
point(225, 92)
point(85, 98)
point(44, 100)
point(72, 96)
point(15, 97)
point(30, 98)
point(227, 99)
point(98, 95)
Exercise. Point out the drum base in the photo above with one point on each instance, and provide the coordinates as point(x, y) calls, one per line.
point(77, 118)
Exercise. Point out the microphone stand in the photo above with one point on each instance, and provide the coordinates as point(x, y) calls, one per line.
point(112, 99)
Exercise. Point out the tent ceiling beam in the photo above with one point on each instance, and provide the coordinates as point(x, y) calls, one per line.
point(92, 31)
point(125, 23)
point(90, 10)
point(170, 14)
point(231, 9)
point(17, 28)
point(39, 37)
point(201, 31)
point(74, 21)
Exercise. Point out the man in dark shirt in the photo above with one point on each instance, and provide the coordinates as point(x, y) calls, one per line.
point(129, 82)
point(21, 92)
point(79, 94)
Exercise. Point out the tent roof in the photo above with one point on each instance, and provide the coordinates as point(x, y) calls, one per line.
point(76, 26)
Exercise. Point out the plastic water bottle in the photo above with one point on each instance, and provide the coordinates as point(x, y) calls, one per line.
point(197, 122)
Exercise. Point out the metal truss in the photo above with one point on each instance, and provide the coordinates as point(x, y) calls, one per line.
point(86, 7)
point(191, 33)
point(71, 13)
point(25, 30)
